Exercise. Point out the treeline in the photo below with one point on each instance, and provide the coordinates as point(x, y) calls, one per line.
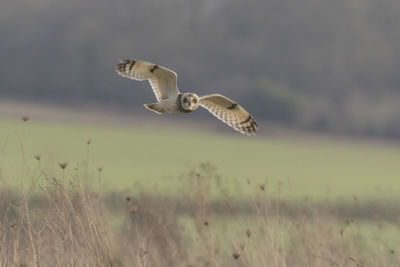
point(320, 65)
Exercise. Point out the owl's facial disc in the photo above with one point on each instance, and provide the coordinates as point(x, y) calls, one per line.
point(190, 101)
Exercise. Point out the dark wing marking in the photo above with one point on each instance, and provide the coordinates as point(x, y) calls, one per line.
point(162, 80)
point(230, 112)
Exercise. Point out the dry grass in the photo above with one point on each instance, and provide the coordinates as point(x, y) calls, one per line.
point(67, 228)
point(67, 225)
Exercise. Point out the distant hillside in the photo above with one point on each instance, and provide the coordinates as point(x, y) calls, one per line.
point(317, 65)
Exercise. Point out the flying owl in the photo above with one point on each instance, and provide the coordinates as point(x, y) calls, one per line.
point(170, 100)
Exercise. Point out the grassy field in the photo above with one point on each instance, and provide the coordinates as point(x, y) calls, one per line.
point(70, 224)
point(300, 166)
point(195, 198)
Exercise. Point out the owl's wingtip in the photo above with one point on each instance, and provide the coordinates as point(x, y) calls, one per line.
point(125, 60)
point(248, 126)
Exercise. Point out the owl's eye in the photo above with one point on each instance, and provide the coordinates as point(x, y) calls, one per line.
point(185, 100)
point(194, 101)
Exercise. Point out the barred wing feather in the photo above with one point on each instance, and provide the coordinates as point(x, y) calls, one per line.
point(162, 80)
point(230, 112)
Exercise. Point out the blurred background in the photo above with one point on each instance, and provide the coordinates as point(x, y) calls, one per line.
point(317, 186)
point(326, 66)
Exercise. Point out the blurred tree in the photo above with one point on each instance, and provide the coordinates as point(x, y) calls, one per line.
point(331, 62)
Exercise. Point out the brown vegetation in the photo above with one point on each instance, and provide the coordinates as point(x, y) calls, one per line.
point(66, 224)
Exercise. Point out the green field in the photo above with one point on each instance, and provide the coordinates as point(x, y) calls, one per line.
point(304, 166)
point(190, 212)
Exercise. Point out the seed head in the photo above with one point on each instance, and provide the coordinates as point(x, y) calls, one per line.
point(236, 255)
point(205, 223)
point(100, 168)
point(134, 209)
point(248, 233)
point(25, 118)
point(63, 165)
point(89, 141)
point(37, 157)
point(128, 199)
point(262, 187)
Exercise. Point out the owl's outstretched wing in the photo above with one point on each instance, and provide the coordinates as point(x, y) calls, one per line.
point(230, 112)
point(162, 80)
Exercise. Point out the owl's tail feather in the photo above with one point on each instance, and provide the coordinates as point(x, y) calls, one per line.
point(155, 107)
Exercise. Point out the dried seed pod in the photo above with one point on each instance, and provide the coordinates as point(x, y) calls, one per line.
point(248, 233)
point(63, 165)
point(134, 209)
point(236, 255)
point(25, 118)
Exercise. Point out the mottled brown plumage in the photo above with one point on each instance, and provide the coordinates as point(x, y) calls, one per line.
point(170, 100)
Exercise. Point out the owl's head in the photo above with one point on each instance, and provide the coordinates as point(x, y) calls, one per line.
point(190, 101)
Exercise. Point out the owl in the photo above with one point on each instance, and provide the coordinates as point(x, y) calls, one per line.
point(170, 100)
